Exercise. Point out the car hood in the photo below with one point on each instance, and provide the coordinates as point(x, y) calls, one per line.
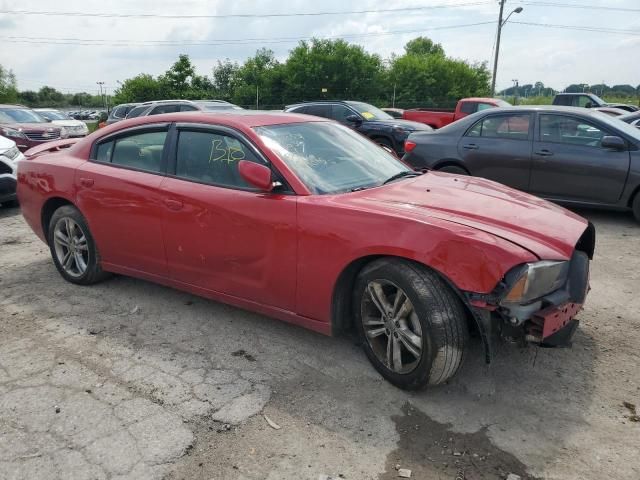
point(548, 231)
point(406, 124)
point(68, 123)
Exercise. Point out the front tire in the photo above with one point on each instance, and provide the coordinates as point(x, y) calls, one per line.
point(636, 206)
point(73, 249)
point(411, 323)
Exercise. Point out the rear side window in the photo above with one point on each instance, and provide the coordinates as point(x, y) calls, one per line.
point(137, 111)
point(512, 127)
point(165, 109)
point(188, 108)
point(469, 107)
point(142, 151)
point(562, 100)
point(212, 158)
point(319, 110)
point(298, 110)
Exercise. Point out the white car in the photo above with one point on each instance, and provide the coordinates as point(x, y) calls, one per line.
point(9, 158)
point(75, 128)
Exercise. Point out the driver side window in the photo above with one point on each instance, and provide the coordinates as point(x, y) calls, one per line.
point(569, 130)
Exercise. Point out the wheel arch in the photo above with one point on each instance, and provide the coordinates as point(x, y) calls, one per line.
point(633, 196)
point(450, 162)
point(341, 299)
point(48, 208)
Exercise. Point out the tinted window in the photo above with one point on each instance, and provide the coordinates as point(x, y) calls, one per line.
point(485, 106)
point(103, 153)
point(165, 109)
point(340, 112)
point(298, 110)
point(570, 130)
point(319, 110)
point(187, 108)
point(514, 127)
point(212, 158)
point(137, 111)
point(583, 101)
point(142, 151)
point(469, 107)
point(562, 100)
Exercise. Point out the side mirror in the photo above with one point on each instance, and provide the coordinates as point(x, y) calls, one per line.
point(256, 175)
point(588, 105)
point(354, 119)
point(613, 142)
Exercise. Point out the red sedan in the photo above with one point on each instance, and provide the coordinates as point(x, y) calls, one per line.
point(304, 220)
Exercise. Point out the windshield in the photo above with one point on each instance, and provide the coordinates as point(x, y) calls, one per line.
point(330, 158)
point(618, 125)
point(369, 112)
point(20, 115)
point(53, 115)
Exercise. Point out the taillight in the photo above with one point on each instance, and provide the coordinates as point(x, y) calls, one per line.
point(409, 146)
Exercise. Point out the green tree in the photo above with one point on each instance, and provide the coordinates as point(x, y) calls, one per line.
point(176, 82)
point(140, 88)
point(8, 88)
point(423, 46)
point(261, 74)
point(343, 69)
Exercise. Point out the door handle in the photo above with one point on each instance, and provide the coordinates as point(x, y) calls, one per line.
point(470, 146)
point(86, 182)
point(544, 153)
point(173, 204)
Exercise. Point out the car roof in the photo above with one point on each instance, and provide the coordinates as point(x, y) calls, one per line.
point(8, 105)
point(542, 108)
point(233, 118)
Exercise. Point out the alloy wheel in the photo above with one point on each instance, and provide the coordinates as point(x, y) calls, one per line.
point(391, 326)
point(71, 247)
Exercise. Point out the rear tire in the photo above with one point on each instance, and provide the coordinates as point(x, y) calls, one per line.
point(453, 169)
point(636, 206)
point(424, 343)
point(73, 249)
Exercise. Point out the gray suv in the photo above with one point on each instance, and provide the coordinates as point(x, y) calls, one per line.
point(172, 106)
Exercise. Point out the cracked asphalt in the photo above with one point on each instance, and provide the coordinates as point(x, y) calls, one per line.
point(131, 380)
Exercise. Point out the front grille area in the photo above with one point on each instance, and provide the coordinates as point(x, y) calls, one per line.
point(43, 136)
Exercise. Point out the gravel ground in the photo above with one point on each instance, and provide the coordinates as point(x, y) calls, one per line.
point(130, 380)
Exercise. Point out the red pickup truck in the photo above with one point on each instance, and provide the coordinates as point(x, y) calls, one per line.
point(438, 118)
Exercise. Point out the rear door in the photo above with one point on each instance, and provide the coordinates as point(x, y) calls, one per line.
point(498, 147)
point(569, 162)
point(119, 194)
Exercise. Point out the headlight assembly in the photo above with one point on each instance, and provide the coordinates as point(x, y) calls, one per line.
point(11, 133)
point(531, 281)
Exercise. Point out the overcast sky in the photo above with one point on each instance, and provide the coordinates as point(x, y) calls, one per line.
point(554, 56)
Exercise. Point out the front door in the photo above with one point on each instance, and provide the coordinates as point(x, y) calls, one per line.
point(119, 193)
point(569, 162)
point(498, 147)
point(220, 233)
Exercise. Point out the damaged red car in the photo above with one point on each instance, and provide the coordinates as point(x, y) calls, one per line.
point(302, 219)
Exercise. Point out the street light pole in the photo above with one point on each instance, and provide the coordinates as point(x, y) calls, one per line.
point(501, 24)
point(102, 95)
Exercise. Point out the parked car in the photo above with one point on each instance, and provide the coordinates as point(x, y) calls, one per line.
point(305, 220)
point(565, 154)
point(370, 121)
point(26, 127)
point(588, 100)
point(394, 112)
point(9, 158)
point(438, 118)
point(172, 106)
point(75, 128)
point(119, 112)
point(631, 118)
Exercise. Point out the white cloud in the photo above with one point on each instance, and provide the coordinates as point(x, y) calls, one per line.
point(555, 56)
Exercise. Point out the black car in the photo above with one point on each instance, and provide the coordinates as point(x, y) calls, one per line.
point(370, 121)
point(565, 154)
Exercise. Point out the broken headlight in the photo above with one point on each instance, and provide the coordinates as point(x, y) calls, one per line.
point(531, 281)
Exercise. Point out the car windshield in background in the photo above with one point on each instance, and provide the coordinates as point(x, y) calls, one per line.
point(617, 124)
point(369, 112)
point(330, 158)
point(20, 115)
point(53, 115)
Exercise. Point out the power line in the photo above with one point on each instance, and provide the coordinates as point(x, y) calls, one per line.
point(581, 28)
point(238, 41)
point(239, 15)
point(576, 5)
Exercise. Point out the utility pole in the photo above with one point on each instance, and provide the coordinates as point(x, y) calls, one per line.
point(501, 23)
point(102, 95)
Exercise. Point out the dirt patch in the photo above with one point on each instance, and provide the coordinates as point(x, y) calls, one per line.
point(431, 450)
